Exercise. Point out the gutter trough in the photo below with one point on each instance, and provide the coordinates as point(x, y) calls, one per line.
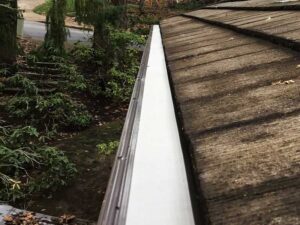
point(148, 184)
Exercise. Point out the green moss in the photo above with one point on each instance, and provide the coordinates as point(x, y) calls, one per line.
point(45, 7)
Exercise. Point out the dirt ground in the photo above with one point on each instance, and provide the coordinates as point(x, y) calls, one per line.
point(28, 6)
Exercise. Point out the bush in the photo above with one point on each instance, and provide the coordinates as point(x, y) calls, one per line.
point(120, 84)
point(4, 72)
point(27, 85)
point(76, 82)
point(82, 54)
point(108, 148)
point(27, 166)
point(122, 58)
point(123, 47)
point(116, 64)
point(87, 58)
point(51, 112)
point(31, 59)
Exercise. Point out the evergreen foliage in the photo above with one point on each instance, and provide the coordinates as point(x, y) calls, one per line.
point(99, 13)
point(56, 31)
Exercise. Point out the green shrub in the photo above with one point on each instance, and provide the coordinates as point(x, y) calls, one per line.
point(4, 72)
point(27, 85)
point(31, 59)
point(88, 58)
point(76, 82)
point(120, 84)
point(27, 166)
point(116, 64)
point(45, 53)
point(122, 58)
point(108, 148)
point(82, 54)
point(58, 169)
point(51, 112)
point(123, 47)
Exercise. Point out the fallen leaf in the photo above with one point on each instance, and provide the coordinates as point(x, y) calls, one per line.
point(289, 81)
point(65, 219)
point(283, 82)
point(8, 218)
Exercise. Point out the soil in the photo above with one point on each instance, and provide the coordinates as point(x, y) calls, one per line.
point(28, 6)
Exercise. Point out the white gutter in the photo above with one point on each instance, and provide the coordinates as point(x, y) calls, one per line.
point(159, 193)
point(148, 184)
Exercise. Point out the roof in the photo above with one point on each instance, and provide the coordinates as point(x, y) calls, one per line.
point(259, 4)
point(235, 78)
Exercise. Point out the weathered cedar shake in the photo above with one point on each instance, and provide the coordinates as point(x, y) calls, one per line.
point(238, 99)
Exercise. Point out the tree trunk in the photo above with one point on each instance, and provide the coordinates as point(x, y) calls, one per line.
point(98, 40)
point(8, 31)
point(56, 34)
point(141, 6)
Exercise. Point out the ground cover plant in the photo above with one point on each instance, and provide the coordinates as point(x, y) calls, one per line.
point(57, 111)
point(108, 148)
point(46, 112)
point(27, 165)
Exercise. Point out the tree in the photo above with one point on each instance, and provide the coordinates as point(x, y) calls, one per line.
point(56, 34)
point(8, 30)
point(99, 13)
